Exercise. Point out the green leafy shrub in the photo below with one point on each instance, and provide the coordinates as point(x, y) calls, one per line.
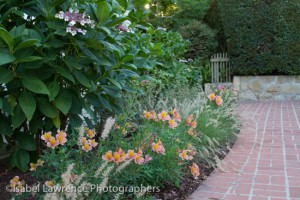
point(262, 36)
point(58, 59)
point(202, 38)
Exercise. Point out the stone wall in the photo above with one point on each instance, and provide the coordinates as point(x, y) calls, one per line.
point(267, 87)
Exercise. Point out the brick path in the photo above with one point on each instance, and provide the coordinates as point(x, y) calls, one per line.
point(265, 161)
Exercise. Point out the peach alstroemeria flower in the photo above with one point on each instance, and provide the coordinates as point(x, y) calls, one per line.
point(147, 158)
point(83, 140)
point(193, 124)
point(118, 157)
point(154, 116)
point(90, 133)
point(140, 152)
point(191, 132)
point(33, 166)
point(86, 147)
point(46, 136)
point(148, 115)
point(195, 170)
point(211, 96)
point(61, 139)
point(163, 116)
point(219, 101)
point(40, 162)
point(189, 119)
point(52, 142)
point(108, 156)
point(49, 184)
point(131, 154)
point(176, 115)
point(184, 155)
point(15, 179)
point(172, 123)
point(62, 133)
point(158, 147)
point(93, 142)
point(139, 159)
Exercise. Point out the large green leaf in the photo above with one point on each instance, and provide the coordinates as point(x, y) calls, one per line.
point(65, 73)
point(35, 85)
point(46, 108)
point(5, 126)
point(6, 75)
point(56, 121)
point(25, 44)
point(123, 3)
point(18, 118)
point(28, 105)
point(102, 12)
point(35, 125)
point(53, 89)
point(26, 141)
point(82, 79)
point(6, 37)
point(21, 159)
point(63, 101)
point(6, 57)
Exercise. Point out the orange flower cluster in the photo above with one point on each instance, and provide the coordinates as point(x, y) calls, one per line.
point(120, 156)
point(187, 154)
point(158, 147)
point(16, 185)
point(164, 116)
point(33, 166)
point(195, 170)
point(218, 100)
point(59, 139)
point(88, 144)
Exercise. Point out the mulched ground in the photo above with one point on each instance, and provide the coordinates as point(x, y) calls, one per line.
point(187, 186)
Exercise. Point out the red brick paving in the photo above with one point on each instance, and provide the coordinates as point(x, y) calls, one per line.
point(265, 161)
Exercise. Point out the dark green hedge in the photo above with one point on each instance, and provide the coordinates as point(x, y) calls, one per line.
point(263, 36)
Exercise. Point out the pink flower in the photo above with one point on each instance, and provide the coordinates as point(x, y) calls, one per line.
point(220, 87)
point(158, 147)
point(164, 116)
point(46, 136)
point(193, 124)
point(147, 158)
point(219, 101)
point(195, 170)
point(52, 142)
point(131, 154)
point(139, 159)
point(108, 156)
point(86, 147)
point(184, 155)
point(90, 133)
point(62, 133)
point(93, 142)
point(119, 157)
point(211, 96)
point(172, 123)
point(189, 119)
point(61, 139)
point(176, 115)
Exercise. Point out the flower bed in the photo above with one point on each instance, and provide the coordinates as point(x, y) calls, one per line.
point(161, 152)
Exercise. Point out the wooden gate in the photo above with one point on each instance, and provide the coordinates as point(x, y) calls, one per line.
point(220, 68)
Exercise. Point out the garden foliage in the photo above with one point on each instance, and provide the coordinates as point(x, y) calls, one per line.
point(60, 57)
point(155, 149)
point(263, 37)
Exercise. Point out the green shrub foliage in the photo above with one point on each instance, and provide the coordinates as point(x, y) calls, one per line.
point(263, 37)
point(52, 68)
